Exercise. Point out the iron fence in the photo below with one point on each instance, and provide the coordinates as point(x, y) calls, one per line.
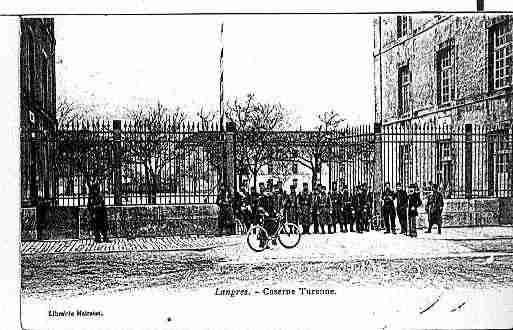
point(138, 163)
point(466, 161)
point(162, 163)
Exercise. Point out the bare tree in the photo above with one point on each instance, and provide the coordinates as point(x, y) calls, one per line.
point(256, 121)
point(69, 111)
point(84, 150)
point(149, 144)
point(318, 148)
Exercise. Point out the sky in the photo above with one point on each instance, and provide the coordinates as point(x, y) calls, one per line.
point(309, 63)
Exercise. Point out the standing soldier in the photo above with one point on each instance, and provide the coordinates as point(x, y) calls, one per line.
point(98, 213)
point(335, 199)
point(366, 200)
point(315, 208)
point(357, 209)
point(324, 209)
point(435, 206)
point(254, 200)
point(402, 208)
point(223, 204)
point(266, 199)
point(230, 218)
point(414, 202)
point(278, 198)
point(304, 201)
point(291, 205)
point(355, 202)
point(388, 208)
point(347, 209)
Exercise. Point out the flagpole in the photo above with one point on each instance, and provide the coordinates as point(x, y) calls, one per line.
point(221, 81)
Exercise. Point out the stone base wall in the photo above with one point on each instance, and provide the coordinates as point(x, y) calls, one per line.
point(506, 208)
point(65, 222)
point(28, 224)
point(464, 213)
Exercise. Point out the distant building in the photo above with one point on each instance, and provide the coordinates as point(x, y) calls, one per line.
point(37, 108)
point(446, 69)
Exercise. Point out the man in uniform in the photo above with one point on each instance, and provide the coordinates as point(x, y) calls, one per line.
point(347, 209)
point(291, 205)
point(96, 207)
point(266, 198)
point(388, 208)
point(315, 208)
point(278, 198)
point(414, 202)
point(324, 210)
point(402, 207)
point(225, 210)
point(358, 208)
point(304, 201)
point(435, 206)
point(366, 201)
point(254, 200)
point(335, 199)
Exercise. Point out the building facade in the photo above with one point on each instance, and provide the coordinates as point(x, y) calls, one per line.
point(37, 108)
point(445, 80)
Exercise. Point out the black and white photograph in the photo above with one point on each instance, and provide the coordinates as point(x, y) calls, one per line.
point(251, 170)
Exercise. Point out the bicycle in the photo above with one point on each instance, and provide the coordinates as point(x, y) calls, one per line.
point(287, 233)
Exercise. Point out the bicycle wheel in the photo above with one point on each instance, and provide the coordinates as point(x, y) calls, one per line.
point(289, 235)
point(257, 238)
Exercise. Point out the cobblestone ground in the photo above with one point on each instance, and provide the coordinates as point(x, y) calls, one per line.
point(52, 275)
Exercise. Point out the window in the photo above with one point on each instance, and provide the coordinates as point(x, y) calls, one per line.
point(503, 153)
point(270, 169)
point(500, 55)
point(402, 26)
point(445, 75)
point(405, 164)
point(404, 90)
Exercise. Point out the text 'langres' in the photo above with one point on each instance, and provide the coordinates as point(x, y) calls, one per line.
point(275, 292)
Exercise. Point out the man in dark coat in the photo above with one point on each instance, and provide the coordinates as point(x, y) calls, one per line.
point(225, 217)
point(347, 209)
point(335, 199)
point(98, 212)
point(414, 202)
point(402, 208)
point(254, 202)
point(358, 205)
point(315, 208)
point(290, 205)
point(278, 198)
point(388, 208)
point(324, 210)
point(304, 201)
point(434, 208)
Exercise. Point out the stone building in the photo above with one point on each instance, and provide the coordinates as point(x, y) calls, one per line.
point(433, 71)
point(37, 108)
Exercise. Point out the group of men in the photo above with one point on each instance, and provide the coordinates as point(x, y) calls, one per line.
point(352, 211)
point(406, 208)
point(322, 209)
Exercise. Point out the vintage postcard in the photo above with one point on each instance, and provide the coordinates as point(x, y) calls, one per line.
point(265, 171)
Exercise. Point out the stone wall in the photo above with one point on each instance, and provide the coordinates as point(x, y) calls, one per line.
point(469, 36)
point(66, 222)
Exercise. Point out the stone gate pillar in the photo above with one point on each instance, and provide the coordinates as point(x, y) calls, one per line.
point(116, 125)
point(229, 161)
point(378, 168)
